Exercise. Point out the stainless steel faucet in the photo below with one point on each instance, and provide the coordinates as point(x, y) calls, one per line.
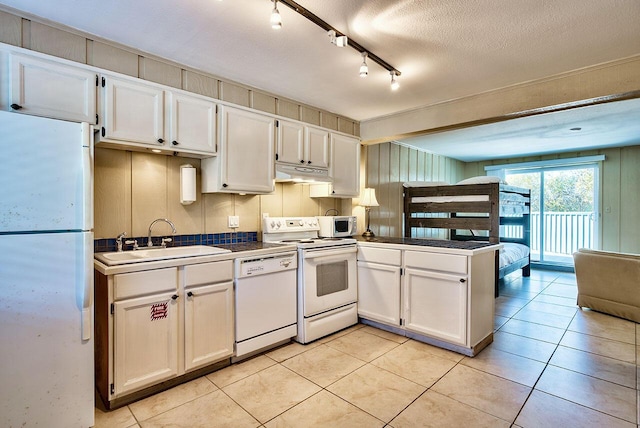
point(119, 241)
point(164, 241)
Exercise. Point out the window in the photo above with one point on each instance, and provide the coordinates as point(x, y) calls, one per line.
point(564, 205)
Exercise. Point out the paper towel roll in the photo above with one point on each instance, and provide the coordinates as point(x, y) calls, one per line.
point(187, 184)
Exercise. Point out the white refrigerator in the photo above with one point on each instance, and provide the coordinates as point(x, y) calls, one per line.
point(46, 272)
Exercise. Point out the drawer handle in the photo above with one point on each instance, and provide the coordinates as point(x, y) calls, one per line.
point(190, 294)
point(174, 297)
point(16, 106)
point(463, 280)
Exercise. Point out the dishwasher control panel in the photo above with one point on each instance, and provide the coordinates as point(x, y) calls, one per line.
point(265, 264)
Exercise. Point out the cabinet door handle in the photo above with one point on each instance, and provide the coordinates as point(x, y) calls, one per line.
point(301, 160)
point(309, 162)
point(174, 297)
point(190, 294)
point(174, 142)
point(463, 280)
point(225, 185)
point(160, 140)
point(16, 106)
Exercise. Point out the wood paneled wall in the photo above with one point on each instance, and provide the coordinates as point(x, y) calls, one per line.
point(619, 193)
point(134, 188)
point(388, 165)
point(86, 49)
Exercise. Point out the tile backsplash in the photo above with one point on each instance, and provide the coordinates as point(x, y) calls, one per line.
point(109, 244)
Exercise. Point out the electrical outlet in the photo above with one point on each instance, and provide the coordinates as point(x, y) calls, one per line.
point(234, 221)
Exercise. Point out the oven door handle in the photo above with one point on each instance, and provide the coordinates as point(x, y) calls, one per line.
point(312, 254)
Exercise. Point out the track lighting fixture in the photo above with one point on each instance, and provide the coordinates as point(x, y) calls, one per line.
point(339, 41)
point(394, 83)
point(364, 68)
point(335, 38)
point(276, 19)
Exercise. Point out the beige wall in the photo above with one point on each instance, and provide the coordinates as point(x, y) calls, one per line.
point(86, 49)
point(620, 193)
point(388, 165)
point(133, 188)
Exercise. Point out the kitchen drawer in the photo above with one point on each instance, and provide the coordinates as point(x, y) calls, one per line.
point(436, 261)
point(146, 282)
point(385, 256)
point(208, 273)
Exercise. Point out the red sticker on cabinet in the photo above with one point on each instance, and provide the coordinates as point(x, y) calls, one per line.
point(159, 311)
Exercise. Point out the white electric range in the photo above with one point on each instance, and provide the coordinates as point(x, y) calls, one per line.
point(327, 275)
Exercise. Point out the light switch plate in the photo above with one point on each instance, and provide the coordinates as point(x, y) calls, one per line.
point(234, 221)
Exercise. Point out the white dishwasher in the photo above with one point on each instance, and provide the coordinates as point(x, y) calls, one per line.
point(266, 302)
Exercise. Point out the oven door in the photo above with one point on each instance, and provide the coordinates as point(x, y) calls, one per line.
point(328, 278)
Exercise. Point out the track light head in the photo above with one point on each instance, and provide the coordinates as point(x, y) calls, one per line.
point(394, 83)
point(339, 41)
point(364, 68)
point(276, 19)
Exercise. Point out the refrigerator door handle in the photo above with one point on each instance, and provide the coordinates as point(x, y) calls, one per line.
point(87, 171)
point(87, 300)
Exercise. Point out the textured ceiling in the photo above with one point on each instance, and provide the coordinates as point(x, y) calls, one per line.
point(444, 49)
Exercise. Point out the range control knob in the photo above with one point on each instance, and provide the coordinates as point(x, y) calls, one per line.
point(301, 222)
point(315, 222)
point(273, 224)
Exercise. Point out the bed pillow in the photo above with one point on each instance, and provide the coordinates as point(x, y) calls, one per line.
point(482, 179)
point(425, 183)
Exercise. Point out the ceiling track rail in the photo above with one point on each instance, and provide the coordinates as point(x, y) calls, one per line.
point(325, 26)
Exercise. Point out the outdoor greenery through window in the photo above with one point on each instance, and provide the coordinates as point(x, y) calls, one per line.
point(564, 205)
point(563, 214)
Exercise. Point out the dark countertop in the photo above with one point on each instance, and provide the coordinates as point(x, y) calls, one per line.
point(440, 243)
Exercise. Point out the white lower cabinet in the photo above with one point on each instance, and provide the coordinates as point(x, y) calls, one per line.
point(447, 298)
point(208, 314)
point(436, 305)
point(155, 325)
point(146, 342)
point(379, 275)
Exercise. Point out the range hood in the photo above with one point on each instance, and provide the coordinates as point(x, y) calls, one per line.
point(301, 174)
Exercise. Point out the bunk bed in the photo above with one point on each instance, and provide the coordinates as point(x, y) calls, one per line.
point(475, 209)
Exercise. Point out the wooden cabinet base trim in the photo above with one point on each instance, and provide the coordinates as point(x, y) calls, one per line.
point(147, 392)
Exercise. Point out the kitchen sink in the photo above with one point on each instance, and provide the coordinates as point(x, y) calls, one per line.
point(151, 254)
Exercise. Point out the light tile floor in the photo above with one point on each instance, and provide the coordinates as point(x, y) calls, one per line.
point(550, 365)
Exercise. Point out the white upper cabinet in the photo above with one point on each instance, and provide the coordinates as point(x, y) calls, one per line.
point(345, 165)
point(51, 89)
point(191, 122)
point(133, 112)
point(316, 145)
point(147, 116)
point(245, 163)
point(290, 142)
point(344, 170)
point(298, 144)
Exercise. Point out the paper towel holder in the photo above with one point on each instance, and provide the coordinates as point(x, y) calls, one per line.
point(187, 184)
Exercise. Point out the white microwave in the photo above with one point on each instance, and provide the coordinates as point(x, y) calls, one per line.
point(337, 226)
